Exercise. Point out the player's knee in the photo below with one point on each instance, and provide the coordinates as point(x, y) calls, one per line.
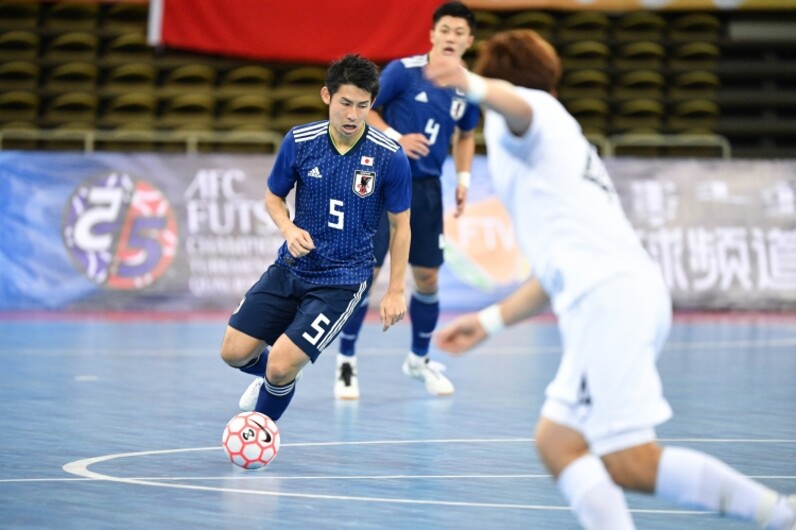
point(635, 468)
point(558, 446)
point(238, 349)
point(280, 371)
point(426, 279)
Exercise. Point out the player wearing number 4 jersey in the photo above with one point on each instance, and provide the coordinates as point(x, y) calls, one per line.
point(346, 175)
point(422, 118)
point(596, 433)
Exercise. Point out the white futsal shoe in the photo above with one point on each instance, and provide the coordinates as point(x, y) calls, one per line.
point(346, 384)
point(248, 400)
point(430, 372)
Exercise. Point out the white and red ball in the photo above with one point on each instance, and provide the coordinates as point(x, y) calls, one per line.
point(251, 440)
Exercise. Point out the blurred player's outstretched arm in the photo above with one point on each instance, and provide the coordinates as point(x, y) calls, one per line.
point(494, 94)
point(467, 331)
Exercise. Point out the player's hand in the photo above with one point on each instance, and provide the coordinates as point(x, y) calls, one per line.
point(392, 309)
point(461, 200)
point(299, 242)
point(462, 334)
point(415, 145)
point(446, 72)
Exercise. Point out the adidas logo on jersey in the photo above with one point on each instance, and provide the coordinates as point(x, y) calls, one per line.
point(315, 172)
point(422, 97)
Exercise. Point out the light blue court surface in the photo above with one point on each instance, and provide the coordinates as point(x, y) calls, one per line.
point(117, 425)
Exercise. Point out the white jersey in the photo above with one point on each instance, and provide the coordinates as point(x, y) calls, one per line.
point(566, 213)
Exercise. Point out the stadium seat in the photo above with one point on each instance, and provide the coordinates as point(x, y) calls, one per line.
point(584, 25)
point(639, 26)
point(130, 76)
point(71, 76)
point(640, 55)
point(642, 115)
point(694, 83)
point(693, 116)
point(128, 47)
point(692, 55)
point(636, 84)
point(486, 24)
point(246, 109)
point(71, 15)
point(130, 107)
point(19, 75)
point(299, 109)
point(129, 137)
point(586, 54)
point(705, 27)
point(72, 46)
point(188, 78)
point(19, 14)
point(188, 110)
point(246, 80)
point(300, 80)
point(19, 45)
point(539, 21)
point(587, 83)
point(71, 107)
point(591, 113)
point(19, 105)
point(124, 17)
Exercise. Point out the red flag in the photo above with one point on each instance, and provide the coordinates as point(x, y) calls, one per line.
point(316, 31)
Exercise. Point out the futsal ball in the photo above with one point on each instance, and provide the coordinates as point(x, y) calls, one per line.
point(251, 440)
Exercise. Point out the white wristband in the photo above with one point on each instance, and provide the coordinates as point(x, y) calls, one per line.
point(476, 87)
point(463, 178)
point(491, 320)
point(392, 133)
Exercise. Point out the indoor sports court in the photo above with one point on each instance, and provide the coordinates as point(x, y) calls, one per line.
point(136, 139)
point(116, 423)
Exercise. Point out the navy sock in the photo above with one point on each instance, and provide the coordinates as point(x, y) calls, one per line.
point(273, 400)
point(351, 329)
point(424, 313)
point(257, 366)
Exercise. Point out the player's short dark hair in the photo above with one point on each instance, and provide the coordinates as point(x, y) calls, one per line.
point(353, 70)
point(521, 57)
point(456, 10)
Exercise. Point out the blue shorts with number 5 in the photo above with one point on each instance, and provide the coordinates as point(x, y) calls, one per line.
point(311, 315)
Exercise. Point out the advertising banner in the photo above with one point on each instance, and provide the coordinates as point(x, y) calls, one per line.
point(153, 232)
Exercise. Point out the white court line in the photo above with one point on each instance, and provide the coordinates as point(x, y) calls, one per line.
point(491, 349)
point(81, 469)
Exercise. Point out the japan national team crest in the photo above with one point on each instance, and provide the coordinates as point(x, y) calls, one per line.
point(457, 108)
point(364, 182)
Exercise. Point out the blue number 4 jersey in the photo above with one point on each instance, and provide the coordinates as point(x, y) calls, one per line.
point(411, 104)
point(339, 199)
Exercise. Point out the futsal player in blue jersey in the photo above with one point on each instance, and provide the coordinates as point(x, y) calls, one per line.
point(346, 175)
point(423, 118)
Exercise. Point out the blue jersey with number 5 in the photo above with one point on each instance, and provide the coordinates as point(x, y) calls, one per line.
point(339, 199)
point(411, 104)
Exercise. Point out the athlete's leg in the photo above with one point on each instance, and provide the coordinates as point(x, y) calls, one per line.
point(424, 307)
point(597, 502)
point(285, 361)
point(695, 479)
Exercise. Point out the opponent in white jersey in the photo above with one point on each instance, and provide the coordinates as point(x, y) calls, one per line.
point(596, 434)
